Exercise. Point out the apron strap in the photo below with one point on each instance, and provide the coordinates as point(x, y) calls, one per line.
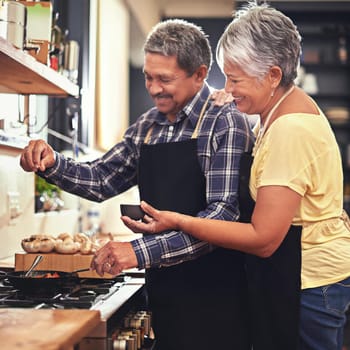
point(195, 132)
point(149, 133)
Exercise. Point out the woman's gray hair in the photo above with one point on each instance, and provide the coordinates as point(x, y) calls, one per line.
point(258, 38)
point(185, 40)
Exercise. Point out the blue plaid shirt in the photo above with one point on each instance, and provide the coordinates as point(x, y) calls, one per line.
point(223, 135)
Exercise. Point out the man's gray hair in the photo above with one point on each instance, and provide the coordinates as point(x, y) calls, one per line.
point(185, 40)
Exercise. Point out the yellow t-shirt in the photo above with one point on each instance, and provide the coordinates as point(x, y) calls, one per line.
point(300, 151)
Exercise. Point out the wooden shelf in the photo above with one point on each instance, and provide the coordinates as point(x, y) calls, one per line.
point(22, 74)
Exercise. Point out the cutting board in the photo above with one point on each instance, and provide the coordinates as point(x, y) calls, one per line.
point(45, 329)
point(58, 262)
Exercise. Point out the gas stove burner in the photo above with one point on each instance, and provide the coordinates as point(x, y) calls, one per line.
point(10, 302)
point(4, 289)
point(6, 281)
point(81, 295)
point(84, 293)
point(3, 275)
point(48, 306)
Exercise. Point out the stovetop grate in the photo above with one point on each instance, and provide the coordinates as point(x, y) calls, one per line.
point(81, 295)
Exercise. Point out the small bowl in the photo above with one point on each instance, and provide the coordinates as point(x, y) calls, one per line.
point(133, 211)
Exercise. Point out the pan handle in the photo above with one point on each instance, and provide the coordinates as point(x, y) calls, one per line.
point(34, 264)
point(81, 270)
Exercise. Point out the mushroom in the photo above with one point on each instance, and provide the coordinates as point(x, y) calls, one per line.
point(47, 245)
point(101, 240)
point(30, 245)
point(84, 242)
point(38, 243)
point(65, 244)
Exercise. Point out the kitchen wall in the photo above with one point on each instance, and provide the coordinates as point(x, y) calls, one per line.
point(21, 221)
point(25, 222)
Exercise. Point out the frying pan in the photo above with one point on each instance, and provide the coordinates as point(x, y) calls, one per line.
point(36, 284)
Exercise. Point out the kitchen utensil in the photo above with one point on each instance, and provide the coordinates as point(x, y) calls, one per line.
point(13, 22)
point(132, 210)
point(37, 282)
point(40, 280)
point(76, 272)
point(36, 261)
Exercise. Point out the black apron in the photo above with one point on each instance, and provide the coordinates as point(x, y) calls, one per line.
point(274, 282)
point(198, 304)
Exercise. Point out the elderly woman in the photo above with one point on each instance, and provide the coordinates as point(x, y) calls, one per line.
point(293, 226)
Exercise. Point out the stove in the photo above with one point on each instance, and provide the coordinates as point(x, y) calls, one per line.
point(82, 295)
point(118, 300)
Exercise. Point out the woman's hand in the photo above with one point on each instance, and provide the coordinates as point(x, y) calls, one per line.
point(221, 97)
point(155, 221)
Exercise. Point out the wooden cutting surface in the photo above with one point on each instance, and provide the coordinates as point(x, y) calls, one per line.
point(30, 329)
point(58, 262)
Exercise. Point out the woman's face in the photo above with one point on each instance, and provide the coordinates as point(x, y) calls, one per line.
point(251, 96)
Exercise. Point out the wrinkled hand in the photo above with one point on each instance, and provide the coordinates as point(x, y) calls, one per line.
point(221, 97)
point(37, 155)
point(155, 221)
point(114, 258)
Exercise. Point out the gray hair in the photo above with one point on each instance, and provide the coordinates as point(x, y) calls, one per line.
point(185, 40)
point(258, 38)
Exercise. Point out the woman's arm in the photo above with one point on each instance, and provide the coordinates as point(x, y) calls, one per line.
point(275, 208)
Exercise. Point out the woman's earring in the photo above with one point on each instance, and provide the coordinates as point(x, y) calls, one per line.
point(272, 92)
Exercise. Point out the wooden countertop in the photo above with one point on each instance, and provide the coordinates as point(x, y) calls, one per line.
point(45, 329)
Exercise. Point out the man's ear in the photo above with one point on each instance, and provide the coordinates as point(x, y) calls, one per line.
point(201, 73)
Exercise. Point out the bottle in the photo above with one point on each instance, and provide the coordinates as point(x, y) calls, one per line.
point(342, 47)
point(71, 60)
point(93, 220)
point(56, 44)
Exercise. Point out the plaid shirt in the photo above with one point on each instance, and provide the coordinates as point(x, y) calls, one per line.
point(223, 135)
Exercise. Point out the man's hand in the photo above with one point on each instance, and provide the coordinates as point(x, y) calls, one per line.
point(38, 155)
point(114, 258)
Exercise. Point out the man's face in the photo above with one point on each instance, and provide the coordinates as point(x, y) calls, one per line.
point(169, 86)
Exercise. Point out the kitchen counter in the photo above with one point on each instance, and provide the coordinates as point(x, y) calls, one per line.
point(8, 262)
point(45, 329)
